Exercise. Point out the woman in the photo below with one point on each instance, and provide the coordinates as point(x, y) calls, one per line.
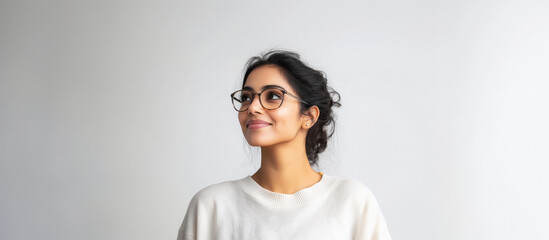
point(284, 107)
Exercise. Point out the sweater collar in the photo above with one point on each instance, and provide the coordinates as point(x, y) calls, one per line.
point(274, 199)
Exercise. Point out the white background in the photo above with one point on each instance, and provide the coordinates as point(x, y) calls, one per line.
point(114, 113)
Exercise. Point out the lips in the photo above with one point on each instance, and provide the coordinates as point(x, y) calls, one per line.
point(258, 123)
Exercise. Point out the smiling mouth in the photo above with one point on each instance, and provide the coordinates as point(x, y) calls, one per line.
point(258, 125)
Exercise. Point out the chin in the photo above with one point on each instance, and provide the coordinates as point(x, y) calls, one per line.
point(255, 142)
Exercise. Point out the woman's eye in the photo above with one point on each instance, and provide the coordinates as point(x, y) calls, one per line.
point(245, 98)
point(274, 96)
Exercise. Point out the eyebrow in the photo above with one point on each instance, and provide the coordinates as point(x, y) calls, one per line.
point(263, 88)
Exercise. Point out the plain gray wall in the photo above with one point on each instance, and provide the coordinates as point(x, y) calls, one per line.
point(114, 113)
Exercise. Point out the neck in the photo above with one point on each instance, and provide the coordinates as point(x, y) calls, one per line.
point(285, 168)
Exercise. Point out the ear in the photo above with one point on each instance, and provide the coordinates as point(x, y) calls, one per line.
point(311, 115)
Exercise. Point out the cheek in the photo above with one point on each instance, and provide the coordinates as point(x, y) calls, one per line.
point(285, 119)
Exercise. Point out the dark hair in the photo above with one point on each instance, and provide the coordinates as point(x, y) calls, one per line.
point(310, 85)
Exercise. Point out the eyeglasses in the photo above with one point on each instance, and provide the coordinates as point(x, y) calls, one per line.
point(269, 98)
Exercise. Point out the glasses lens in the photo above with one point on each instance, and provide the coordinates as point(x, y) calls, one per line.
point(242, 99)
point(272, 98)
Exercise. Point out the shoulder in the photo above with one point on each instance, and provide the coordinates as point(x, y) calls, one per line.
point(217, 191)
point(363, 205)
point(352, 186)
point(203, 204)
point(357, 196)
point(352, 192)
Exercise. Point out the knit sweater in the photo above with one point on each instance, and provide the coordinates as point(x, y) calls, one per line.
point(333, 208)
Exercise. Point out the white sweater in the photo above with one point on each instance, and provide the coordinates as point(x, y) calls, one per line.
point(333, 208)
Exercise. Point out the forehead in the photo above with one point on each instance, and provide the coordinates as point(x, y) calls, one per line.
point(264, 76)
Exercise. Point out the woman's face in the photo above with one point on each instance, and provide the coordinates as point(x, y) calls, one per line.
point(284, 122)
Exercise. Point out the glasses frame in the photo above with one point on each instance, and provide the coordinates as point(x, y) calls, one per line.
point(284, 92)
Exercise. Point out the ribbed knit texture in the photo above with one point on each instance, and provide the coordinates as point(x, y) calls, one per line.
point(333, 208)
point(274, 199)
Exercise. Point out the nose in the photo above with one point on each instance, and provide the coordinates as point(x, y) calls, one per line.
point(255, 106)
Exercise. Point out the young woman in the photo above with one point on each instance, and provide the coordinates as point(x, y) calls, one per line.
point(285, 108)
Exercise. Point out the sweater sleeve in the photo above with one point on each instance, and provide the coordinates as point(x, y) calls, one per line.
point(371, 224)
point(188, 228)
point(198, 221)
point(197, 224)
